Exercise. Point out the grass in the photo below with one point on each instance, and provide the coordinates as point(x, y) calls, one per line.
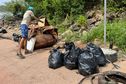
point(116, 32)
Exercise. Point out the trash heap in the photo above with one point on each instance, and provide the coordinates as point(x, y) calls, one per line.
point(86, 60)
point(41, 35)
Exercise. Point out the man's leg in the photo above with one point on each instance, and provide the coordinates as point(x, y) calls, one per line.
point(25, 46)
point(23, 42)
point(19, 53)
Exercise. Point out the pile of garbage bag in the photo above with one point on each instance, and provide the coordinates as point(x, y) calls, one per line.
point(86, 60)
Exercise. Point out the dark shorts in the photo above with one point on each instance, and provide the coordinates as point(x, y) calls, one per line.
point(24, 30)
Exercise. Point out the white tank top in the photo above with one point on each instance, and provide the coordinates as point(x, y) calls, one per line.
point(27, 17)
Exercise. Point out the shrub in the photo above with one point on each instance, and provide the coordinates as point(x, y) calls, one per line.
point(116, 32)
point(81, 20)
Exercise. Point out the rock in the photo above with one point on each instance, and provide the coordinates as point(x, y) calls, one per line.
point(75, 27)
point(123, 15)
point(5, 36)
point(59, 45)
point(79, 44)
point(90, 14)
point(98, 15)
point(94, 18)
point(115, 48)
point(97, 23)
point(84, 33)
point(68, 32)
point(91, 21)
point(83, 28)
point(3, 30)
point(110, 54)
point(91, 26)
point(10, 27)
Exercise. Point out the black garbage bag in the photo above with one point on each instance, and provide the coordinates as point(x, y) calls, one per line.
point(71, 56)
point(55, 59)
point(98, 53)
point(68, 46)
point(87, 63)
point(16, 37)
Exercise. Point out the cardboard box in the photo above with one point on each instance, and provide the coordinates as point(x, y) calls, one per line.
point(45, 23)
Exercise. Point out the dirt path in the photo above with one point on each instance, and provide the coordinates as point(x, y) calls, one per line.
point(34, 69)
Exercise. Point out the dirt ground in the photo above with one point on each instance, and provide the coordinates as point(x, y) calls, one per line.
point(34, 69)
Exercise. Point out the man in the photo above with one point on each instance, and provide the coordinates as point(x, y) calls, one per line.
point(24, 30)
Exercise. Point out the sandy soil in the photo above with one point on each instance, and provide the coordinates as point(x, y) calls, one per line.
point(34, 69)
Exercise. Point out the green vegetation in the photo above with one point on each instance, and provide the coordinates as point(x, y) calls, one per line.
point(116, 32)
point(97, 32)
point(57, 10)
point(81, 20)
point(62, 13)
point(117, 5)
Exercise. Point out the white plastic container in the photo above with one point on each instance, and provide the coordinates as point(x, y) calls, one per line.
point(31, 44)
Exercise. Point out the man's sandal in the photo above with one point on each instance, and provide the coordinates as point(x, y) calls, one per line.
point(21, 56)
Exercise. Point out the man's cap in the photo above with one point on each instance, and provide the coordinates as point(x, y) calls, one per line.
point(30, 8)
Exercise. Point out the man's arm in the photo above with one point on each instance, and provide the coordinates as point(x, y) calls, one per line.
point(37, 19)
point(32, 15)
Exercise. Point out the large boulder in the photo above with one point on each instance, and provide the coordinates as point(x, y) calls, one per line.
point(94, 18)
point(3, 30)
